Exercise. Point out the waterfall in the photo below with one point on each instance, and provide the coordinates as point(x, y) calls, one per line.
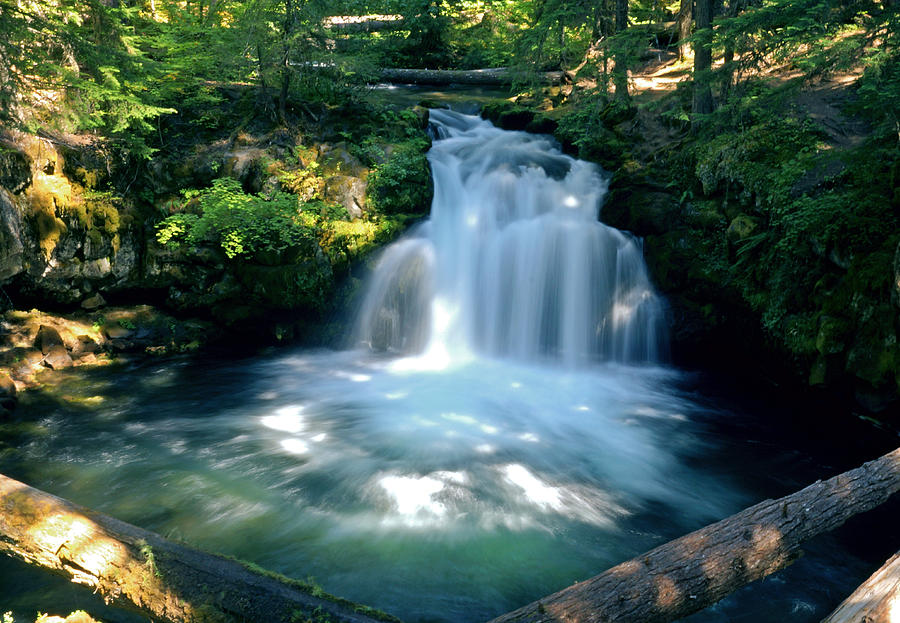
point(513, 261)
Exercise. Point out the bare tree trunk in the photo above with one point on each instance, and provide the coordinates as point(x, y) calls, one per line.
point(684, 19)
point(877, 600)
point(698, 569)
point(142, 571)
point(734, 7)
point(620, 71)
point(703, 99)
point(287, 33)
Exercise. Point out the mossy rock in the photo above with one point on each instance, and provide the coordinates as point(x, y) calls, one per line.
point(305, 285)
point(831, 338)
point(741, 227)
point(15, 168)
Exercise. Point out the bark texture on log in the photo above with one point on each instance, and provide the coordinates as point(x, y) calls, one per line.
point(698, 569)
point(877, 600)
point(499, 76)
point(140, 570)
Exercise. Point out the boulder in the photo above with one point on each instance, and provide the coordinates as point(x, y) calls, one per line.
point(348, 191)
point(47, 338)
point(117, 332)
point(86, 344)
point(58, 358)
point(93, 302)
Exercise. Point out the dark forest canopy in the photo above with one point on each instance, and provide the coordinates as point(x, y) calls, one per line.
point(116, 66)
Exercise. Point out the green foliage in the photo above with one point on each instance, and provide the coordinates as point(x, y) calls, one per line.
point(240, 224)
point(402, 185)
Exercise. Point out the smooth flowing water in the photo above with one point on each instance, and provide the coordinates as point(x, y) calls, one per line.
point(509, 434)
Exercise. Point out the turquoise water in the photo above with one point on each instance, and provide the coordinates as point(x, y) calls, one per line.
point(450, 495)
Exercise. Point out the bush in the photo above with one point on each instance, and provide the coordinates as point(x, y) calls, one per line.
point(241, 224)
point(402, 185)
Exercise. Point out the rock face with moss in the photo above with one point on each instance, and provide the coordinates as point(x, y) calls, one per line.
point(260, 226)
point(775, 242)
point(63, 240)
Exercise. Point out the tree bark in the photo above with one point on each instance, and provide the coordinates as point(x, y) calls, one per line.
point(876, 600)
point(499, 76)
point(140, 570)
point(684, 19)
point(698, 569)
point(620, 71)
point(287, 34)
point(703, 99)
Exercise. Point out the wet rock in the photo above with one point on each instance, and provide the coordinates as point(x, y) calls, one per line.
point(87, 359)
point(86, 344)
point(117, 332)
point(47, 338)
point(58, 358)
point(93, 302)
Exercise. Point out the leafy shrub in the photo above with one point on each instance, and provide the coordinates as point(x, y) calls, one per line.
point(241, 224)
point(402, 185)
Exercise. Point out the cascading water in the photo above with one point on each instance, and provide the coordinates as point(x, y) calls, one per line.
point(513, 261)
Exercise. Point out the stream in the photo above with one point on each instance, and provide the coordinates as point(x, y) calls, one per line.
point(502, 424)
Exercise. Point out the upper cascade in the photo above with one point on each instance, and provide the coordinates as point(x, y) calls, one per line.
point(513, 261)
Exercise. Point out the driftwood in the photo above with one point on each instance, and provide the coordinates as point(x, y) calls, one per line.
point(498, 76)
point(877, 600)
point(140, 570)
point(697, 570)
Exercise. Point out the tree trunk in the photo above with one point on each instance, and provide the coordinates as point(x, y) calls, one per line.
point(877, 600)
point(287, 33)
point(698, 569)
point(499, 76)
point(685, 16)
point(734, 7)
point(620, 71)
point(142, 571)
point(703, 99)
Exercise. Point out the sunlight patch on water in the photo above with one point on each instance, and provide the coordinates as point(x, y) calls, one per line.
point(286, 419)
point(294, 446)
point(536, 491)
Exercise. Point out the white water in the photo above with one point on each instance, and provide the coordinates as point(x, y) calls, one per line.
point(513, 261)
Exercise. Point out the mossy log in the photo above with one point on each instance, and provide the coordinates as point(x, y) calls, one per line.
point(499, 76)
point(877, 600)
point(698, 569)
point(140, 570)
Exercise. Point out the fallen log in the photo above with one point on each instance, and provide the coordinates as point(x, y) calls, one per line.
point(364, 23)
point(877, 600)
point(142, 571)
point(698, 569)
point(497, 76)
